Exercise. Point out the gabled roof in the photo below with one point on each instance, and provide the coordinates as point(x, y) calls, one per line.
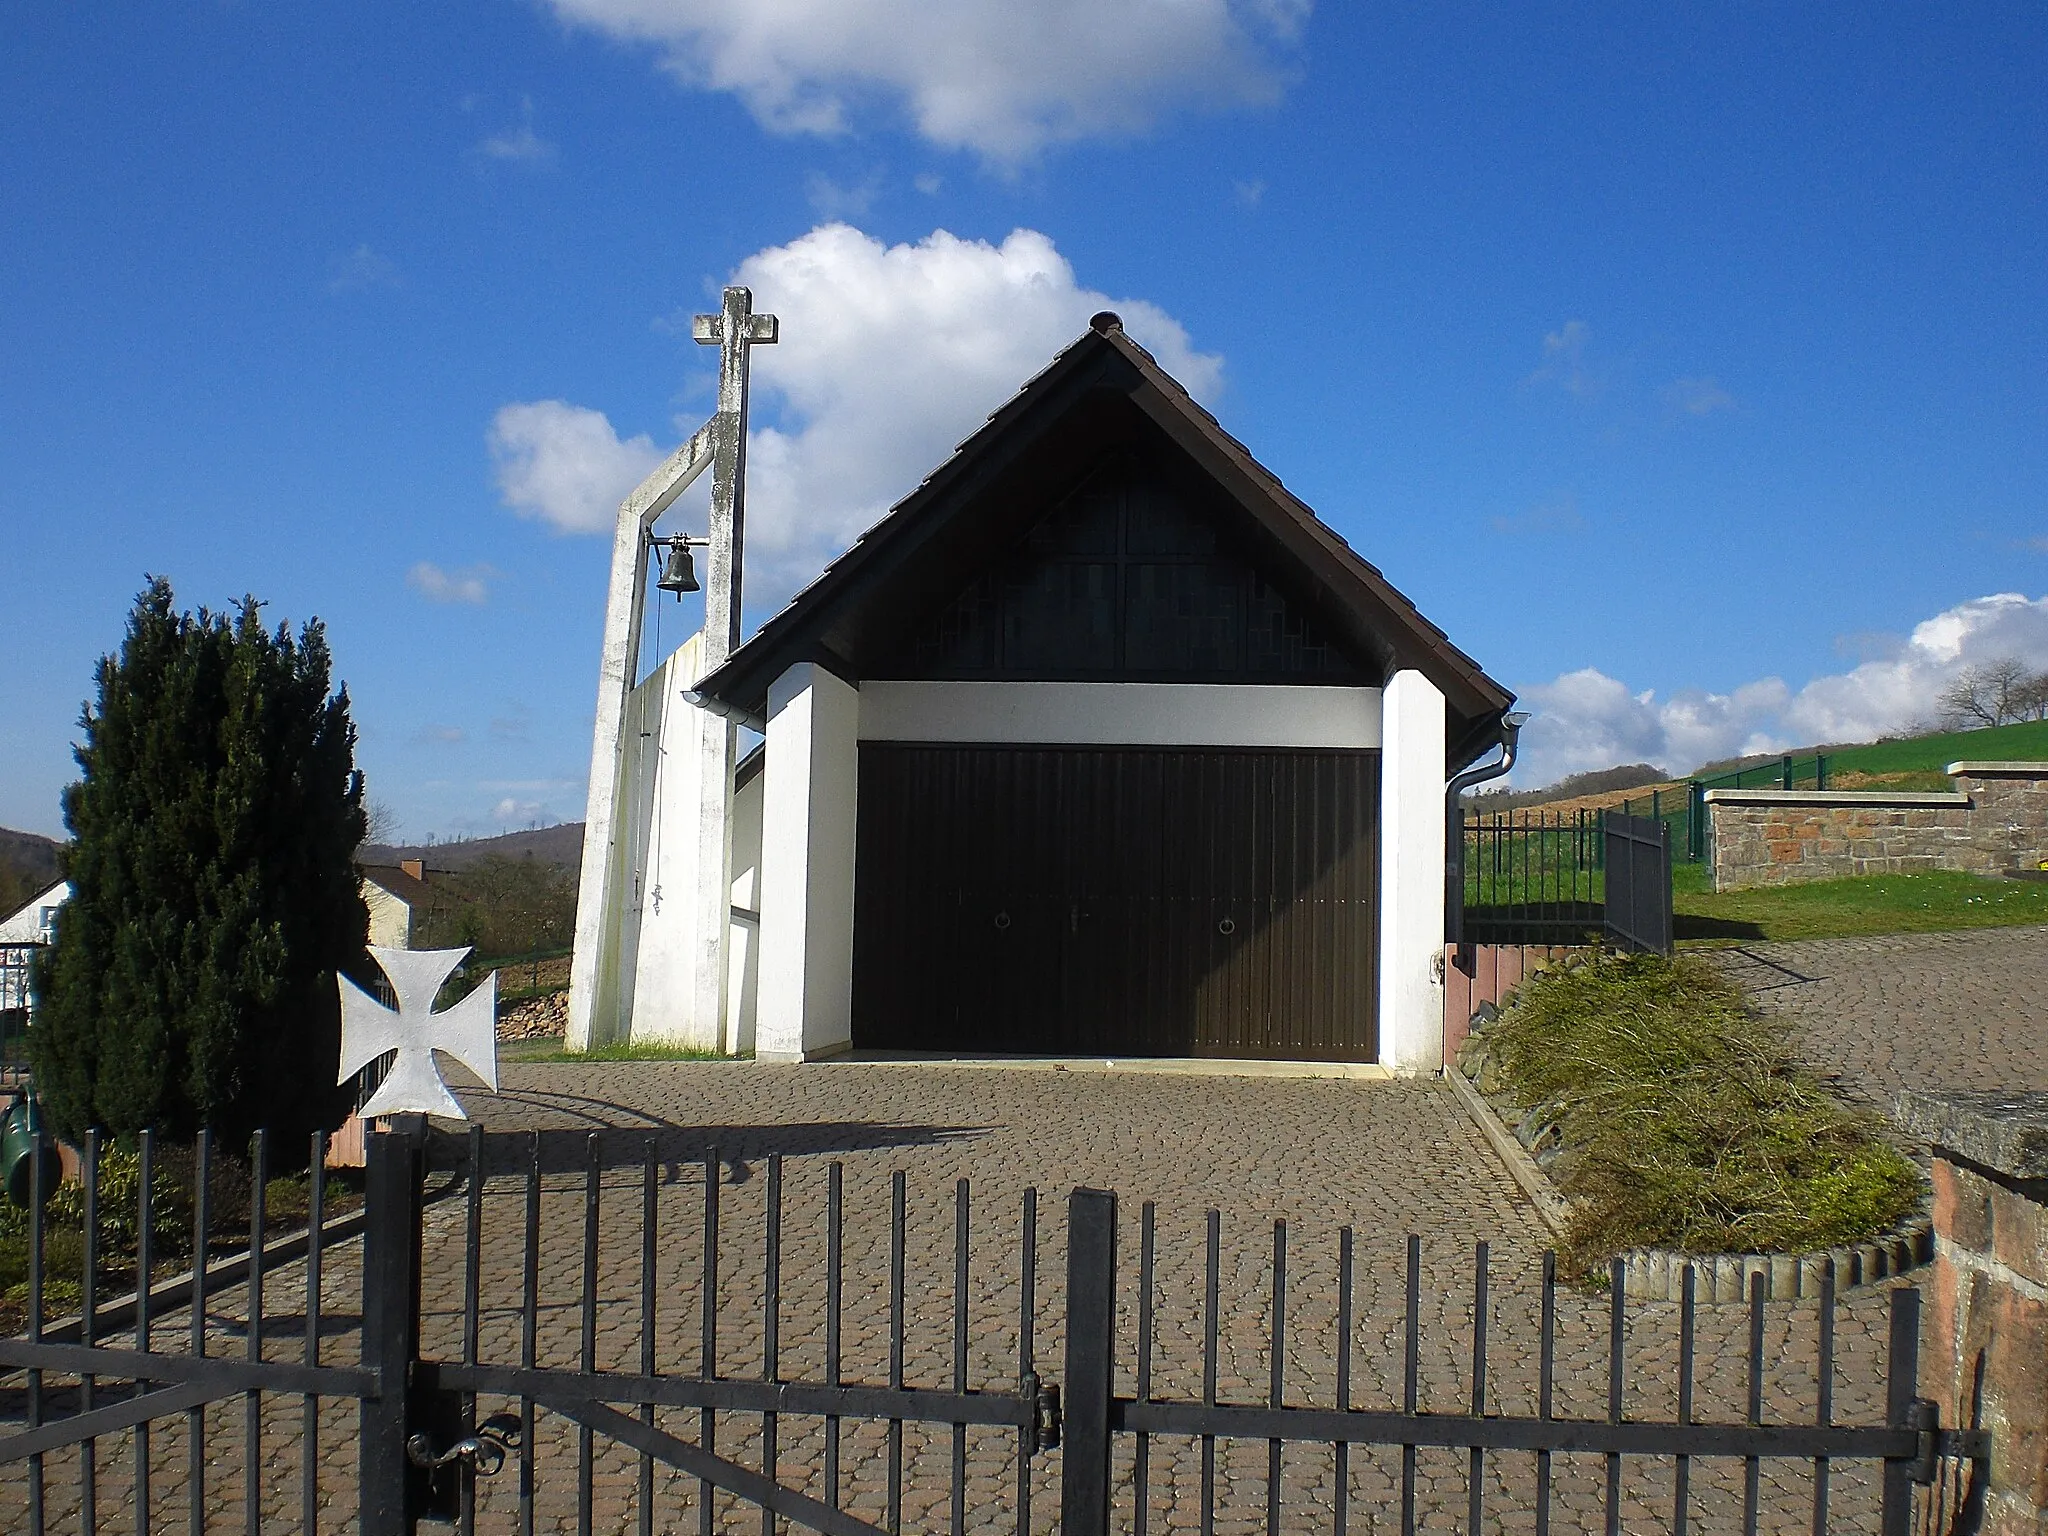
point(25, 925)
point(409, 889)
point(1096, 393)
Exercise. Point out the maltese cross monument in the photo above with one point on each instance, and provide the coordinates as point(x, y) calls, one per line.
point(655, 904)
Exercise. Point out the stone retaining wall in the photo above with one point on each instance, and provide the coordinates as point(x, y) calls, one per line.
point(1993, 822)
point(1987, 1326)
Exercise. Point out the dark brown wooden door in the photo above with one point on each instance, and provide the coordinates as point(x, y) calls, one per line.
point(1117, 901)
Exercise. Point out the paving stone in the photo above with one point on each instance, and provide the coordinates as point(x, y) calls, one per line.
point(1382, 1158)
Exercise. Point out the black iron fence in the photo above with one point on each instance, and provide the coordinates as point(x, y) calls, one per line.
point(1531, 877)
point(160, 1373)
point(1637, 857)
point(775, 1404)
point(1564, 878)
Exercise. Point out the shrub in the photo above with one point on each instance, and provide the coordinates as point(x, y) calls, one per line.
point(1686, 1120)
point(214, 830)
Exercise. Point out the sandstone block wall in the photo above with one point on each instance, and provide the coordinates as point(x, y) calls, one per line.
point(1995, 820)
point(1986, 1330)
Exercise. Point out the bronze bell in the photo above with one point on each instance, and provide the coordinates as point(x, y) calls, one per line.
point(679, 571)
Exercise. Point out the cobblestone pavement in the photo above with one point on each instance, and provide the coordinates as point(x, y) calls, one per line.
point(1384, 1158)
point(1379, 1158)
point(1911, 1010)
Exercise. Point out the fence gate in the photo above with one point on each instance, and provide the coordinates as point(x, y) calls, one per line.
point(451, 1416)
point(1638, 860)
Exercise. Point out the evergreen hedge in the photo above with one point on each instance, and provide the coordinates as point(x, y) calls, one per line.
point(215, 897)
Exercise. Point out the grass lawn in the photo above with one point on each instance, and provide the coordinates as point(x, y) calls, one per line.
point(2025, 742)
point(1866, 904)
point(553, 1051)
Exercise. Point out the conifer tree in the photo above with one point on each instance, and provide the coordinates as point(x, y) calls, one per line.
point(214, 830)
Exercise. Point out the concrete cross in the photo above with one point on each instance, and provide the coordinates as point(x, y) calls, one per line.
point(732, 330)
point(598, 983)
point(468, 1032)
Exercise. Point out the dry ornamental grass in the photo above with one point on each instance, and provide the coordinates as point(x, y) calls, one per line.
point(1686, 1121)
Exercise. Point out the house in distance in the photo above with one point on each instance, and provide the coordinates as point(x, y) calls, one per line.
point(1099, 744)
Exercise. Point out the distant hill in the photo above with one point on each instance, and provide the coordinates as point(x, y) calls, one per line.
point(562, 844)
point(1600, 781)
point(29, 865)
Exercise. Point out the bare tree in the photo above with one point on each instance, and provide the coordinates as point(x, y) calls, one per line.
point(2031, 700)
point(383, 822)
point(1996, 692)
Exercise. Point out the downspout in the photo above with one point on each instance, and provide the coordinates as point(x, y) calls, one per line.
point(725, 711)
point(1454, 839)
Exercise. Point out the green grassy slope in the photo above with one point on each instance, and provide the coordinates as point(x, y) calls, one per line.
point(1930, 754)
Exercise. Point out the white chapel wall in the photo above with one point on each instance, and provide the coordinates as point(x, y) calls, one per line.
point(1411, 954)
point(1121, 714)
point(743, 953)
point(807, 866)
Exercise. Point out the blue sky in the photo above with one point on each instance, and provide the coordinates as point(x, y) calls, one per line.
point(1685, 363)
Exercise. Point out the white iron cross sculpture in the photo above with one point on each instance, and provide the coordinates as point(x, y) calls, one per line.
point(468, 1032)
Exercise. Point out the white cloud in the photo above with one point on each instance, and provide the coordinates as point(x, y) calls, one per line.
point(1564, 360)
point(467, 585)
point(519, 143)
point(993, 76)
point(510, 814)
point(831, 200)
point(1586, 719)
point(1554, 514)
point(1697, 397)
point(432, 735)
point(890, 355)
point(360, 270)
point(564, 465)
point(1249, 193)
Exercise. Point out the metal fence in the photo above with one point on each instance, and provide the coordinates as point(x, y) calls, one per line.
point(770, 1413)
point(1531, 877)
point(1637, 913)
point(136, 1373)
point(1552, 878)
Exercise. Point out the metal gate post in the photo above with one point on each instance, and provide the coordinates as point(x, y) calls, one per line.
point(391, 1295)
point(1902, 1387)
point(1091, 1351)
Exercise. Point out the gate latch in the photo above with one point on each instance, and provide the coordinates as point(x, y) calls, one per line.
point(1043, 1398)
point(1924, 1417)
point(482, 1453)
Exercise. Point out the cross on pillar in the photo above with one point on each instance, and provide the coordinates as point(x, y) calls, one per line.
point(603, 975)
point(733, 330)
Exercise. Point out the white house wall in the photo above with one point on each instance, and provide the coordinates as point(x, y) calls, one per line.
point(807, 847)
point(1412, 784)
point(658, 950)
point(390, 917)
point(1120, 714)
point(33, 923)
point(743, 953)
